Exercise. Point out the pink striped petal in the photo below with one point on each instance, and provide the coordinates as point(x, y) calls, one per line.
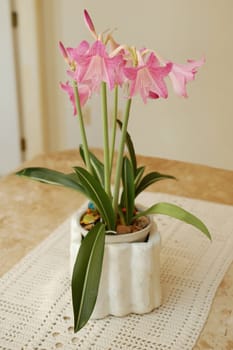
point(181, 74)
point(84, 94)
point(148, 78)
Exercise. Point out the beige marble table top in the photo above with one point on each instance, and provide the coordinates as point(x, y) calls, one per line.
point(25, 204)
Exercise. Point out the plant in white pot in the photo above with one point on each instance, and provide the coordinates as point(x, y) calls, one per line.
point(112, 213)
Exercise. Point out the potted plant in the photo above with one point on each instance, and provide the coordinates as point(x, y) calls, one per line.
point(112, 212)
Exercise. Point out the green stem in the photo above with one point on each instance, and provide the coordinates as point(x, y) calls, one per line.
point(82, 128)
point(120, 157)
point(114, 126)
point(106, 139)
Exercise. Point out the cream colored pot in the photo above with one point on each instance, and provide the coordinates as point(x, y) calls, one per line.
point(130, 279)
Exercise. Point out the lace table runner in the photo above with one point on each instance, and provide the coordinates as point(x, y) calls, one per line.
point(35, 298)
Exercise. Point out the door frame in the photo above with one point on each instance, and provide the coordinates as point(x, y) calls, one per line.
point(30, 79)
point(10, 153)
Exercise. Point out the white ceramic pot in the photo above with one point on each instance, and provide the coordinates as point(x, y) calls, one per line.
point(130, 279)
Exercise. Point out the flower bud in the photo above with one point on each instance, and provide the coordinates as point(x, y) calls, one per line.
point(89, 22)
point(64, 52)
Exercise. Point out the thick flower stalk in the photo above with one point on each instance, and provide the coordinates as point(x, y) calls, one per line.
point(106, 140)
point(78, 97)
point(114, 128)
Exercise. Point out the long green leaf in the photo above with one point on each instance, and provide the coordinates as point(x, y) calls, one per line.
point(97, 165)
point(98, 195)
point(86, 275)
point(139, 172)
point(178, 213)
point(149, 179)
point(53, 177)
point(130, 146)
point(128, 193)
point(81, 152)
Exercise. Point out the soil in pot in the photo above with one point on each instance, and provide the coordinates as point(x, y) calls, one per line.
point(91, 217)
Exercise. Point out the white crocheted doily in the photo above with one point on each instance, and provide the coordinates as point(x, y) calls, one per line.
point(35, 297)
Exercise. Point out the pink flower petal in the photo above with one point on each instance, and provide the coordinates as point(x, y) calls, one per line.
point(84, 94)
point(181, 74)
point(148, 78)
point(153, 95)
point(80, 50)
point(95, 66)
point(130, 73)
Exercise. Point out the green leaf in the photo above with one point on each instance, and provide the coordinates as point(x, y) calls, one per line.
point(128, 194)
point(86, 275)
point(130, 147)
point(177, 213)
point(81, 152)
point(97, 194)
point(149, 179)
point(97, 165)
point(52, 177)
point(139, 172)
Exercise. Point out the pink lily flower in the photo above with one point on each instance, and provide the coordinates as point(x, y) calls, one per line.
point(84, 94)
point(96, 66)
point(74, 53)
point(147, 78)
point(70, 54)
point(181, 74)
point(80, 50)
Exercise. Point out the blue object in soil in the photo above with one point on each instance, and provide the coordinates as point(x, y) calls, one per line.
point(91, 206)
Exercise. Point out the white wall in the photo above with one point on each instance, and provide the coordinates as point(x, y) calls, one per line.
point(198, 129)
